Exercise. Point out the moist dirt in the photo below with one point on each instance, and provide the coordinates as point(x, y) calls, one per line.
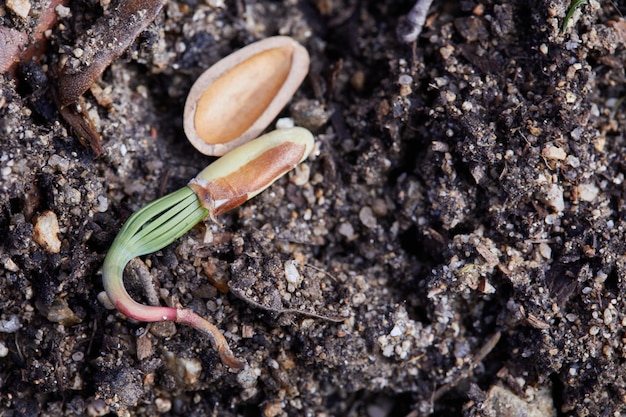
point(453, 246)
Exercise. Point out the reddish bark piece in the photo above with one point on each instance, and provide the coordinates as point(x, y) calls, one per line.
point(15, 46)
point(103, 43)
point(11, 43)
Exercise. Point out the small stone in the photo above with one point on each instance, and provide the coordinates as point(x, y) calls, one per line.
point(545, 250)
point(396, 331)
point(59, 312)
point(570, 97)
point(357, 81)
point(186, 370)
point(405, 79)
point(272, 409)
point(103, 204)
point(292, 275)
point(285, 123)
point(554, 198)
point(310, 114)
point(300, 175)
point(59, 163)
point(9, 265)
point(62, 11)
point(97, 407)
point(366, 215)
point(501, 401)
point(217, 4)
point(11, 325)
point(449, 96)
point(4, 350)
point(163, 405)
point(446, 51)
point(587, 192)
point(346, 229)
point(379, 206)
point(46, 231)
point(554, 152)
point(19, 7)
point(608, 316)
point(144, 347)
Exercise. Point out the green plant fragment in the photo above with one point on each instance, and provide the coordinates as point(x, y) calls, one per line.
point(572, 9)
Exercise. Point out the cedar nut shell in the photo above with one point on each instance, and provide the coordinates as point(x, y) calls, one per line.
point(234, 100)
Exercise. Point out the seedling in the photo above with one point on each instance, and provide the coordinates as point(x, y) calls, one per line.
point(570, 13)
point(225, 184)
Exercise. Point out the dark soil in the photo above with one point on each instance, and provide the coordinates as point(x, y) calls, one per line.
point(464, 218)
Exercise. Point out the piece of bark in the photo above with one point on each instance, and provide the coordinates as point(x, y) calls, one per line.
point(111, 35)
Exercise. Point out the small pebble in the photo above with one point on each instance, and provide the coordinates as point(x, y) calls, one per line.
point(366, 215)
point(553, 152)
point(587, 192)
point(19, 7)
point(545, 250)
point(163, 405)
point(405, 79)
point(554, 198)
point(300, 175)
point(62, 11)
point(186, 370)
point(11, 325)
point(346, 229)
point(9, 265)
point(292, 275)
point(285, 123)
point(59, 163)
point(46, 231)
point(97, 408)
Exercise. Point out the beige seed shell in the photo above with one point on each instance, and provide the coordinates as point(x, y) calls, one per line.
point(233, 101)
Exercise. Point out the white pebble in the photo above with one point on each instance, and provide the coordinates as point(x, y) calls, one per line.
point(19, 7)
point(346, 230)
point(292, 275)
point(545, 250)
point(63, 11)
point(587, 192)
point(11, 325)
point(366, 215)
point(396, 331)
point(285, 123)
point(60, 163)
point(554, 198)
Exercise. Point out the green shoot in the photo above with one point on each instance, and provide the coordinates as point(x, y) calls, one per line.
point(148, 230)
point(572, 9)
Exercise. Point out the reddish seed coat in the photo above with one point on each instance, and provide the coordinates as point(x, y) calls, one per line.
point(255, 175)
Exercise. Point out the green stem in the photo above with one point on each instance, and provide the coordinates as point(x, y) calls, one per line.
point(148, 230)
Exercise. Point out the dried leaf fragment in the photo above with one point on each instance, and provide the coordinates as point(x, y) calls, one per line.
point(102, 44)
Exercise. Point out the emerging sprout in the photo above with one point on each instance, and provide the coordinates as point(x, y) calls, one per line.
point(225, 184)
point(575, 5)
